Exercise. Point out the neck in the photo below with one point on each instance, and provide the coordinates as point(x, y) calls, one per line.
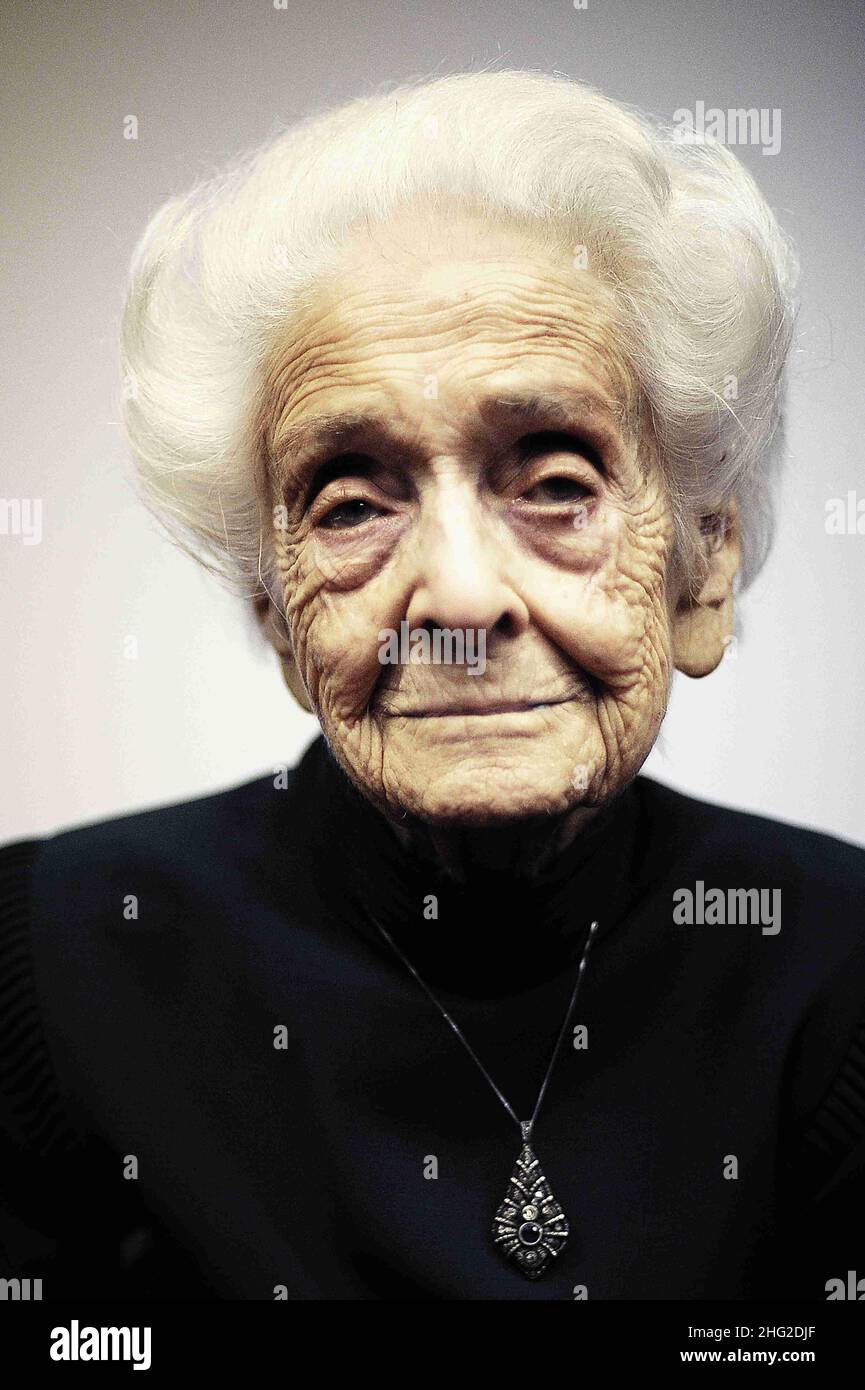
point(525, 847)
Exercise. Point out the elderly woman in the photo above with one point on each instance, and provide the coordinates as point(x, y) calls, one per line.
point(474, 389)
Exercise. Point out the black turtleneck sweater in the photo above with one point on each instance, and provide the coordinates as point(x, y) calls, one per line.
point(155, 1142)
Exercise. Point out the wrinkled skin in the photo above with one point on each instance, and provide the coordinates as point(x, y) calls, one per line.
point(553, 534)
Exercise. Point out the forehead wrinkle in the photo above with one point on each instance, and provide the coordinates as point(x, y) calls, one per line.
point(613, 395)
point(353, 303)
point(403, 322)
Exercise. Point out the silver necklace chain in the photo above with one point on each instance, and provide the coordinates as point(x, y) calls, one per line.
point(525, 1126)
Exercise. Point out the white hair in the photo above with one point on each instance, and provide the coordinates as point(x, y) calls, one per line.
point(702, 276)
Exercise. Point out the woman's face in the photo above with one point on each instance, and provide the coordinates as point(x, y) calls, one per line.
point(450, 451)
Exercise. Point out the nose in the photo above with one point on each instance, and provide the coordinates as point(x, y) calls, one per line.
point(462, 567)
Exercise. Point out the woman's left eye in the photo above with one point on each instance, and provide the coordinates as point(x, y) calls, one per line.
point(348, 514)
point(557, 489)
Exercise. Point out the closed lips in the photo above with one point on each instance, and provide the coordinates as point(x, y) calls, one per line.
point(503, 707)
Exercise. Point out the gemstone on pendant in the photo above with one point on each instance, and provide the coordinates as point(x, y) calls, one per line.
point(531, 1244)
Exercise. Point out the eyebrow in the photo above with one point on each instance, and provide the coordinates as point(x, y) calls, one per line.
point(309, 442)
point(560, 408)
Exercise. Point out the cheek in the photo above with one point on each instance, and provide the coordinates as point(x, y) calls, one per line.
point(609, 613)
point(337, 602)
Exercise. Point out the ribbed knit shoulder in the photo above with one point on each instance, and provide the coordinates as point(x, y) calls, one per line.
point(790, 852)
point(833, 1148)
point(32, 1115)
point(825, 1141)
point(828, 1137)
point(54, 886)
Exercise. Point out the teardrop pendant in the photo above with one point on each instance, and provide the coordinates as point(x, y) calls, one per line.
point(530, 1227)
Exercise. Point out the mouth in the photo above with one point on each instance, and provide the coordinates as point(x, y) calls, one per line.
point(479, 711)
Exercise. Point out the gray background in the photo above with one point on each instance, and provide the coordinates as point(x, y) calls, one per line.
point(88, 732)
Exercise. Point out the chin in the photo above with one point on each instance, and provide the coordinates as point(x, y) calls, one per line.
point(479, 791)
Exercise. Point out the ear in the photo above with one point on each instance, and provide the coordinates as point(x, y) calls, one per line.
point(273, 625)
point(703, 625)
